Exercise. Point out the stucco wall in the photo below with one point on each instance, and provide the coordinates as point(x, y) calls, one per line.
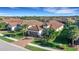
point(60, 28)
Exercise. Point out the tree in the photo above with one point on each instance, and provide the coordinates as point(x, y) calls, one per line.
point(73, 31)
point(2, 25)
point(47, 33)
point(24, 29)
point(0, 18)
point(74, 34)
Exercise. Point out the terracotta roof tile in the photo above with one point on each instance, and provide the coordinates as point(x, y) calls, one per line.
point(32, 22)
point(35, 28)
point(13, 21)
point(55, 24)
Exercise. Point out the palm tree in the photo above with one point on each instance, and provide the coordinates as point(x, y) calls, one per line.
point(24, 29)
point(47, 35)
point(73, 31)
point(74, 34)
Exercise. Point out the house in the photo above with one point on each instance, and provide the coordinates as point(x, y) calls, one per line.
point(56, 25)
point(34, 27)
point(13, 23)
point(35, 31)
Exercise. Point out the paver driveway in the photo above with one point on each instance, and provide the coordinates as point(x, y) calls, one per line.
point(23, 42)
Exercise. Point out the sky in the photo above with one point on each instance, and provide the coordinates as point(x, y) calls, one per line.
point(39, 11)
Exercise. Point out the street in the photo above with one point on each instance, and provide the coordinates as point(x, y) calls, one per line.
point(5, 46)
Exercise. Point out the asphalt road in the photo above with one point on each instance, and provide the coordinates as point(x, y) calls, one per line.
point(5, 46)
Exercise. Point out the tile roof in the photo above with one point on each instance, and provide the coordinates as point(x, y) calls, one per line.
point(55, 24)
point(32, 22)
point(35, 28)
point(13, 21)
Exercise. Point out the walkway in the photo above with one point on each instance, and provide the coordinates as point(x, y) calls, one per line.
point(23, 42)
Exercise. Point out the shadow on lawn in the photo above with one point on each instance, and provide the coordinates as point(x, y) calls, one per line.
point(61, 40)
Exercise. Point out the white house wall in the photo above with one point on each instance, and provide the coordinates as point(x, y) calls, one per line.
point(13, 28)
point(60, 28)
point(40, 32)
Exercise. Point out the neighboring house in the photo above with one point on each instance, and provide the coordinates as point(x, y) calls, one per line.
point(56, 25)
point(13, 23)
point(34, 27)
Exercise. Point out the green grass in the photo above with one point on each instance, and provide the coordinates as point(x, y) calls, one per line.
point(5, 39)
point(70, 49)
point(51, 45)
point(14, 33)
point(56, 46)
point(34, 48)
point(54, 36)
point(17, 35)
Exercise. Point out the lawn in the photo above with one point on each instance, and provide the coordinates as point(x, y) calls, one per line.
point(34, 48)
point(18, 37)
point(55, 46)
point(5, 39)
point(16, 34)
point(71, 49)
point(51, 45)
